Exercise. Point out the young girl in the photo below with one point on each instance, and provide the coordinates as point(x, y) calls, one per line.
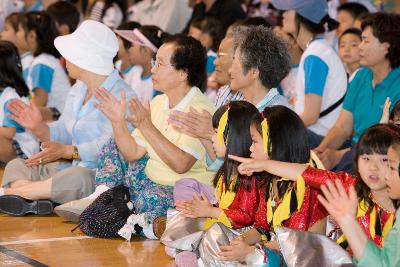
point(145, 42)
point(14, 140)
point(376, 212)
point(10, 34)
point(349, 51)
point(236, 195)
point(208, 32)
point(46, 78)
point(343, 207)
point(123, 64)
point(280, 134)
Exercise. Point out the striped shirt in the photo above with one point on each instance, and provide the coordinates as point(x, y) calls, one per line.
point(225, 95)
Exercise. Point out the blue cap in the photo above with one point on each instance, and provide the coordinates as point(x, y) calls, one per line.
point(313, 10)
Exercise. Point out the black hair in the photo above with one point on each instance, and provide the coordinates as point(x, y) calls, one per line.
point(354, 31)
point(210, 26)
point(45, 29)
point(271, 60)
point(318, 28)
point(254, 21)
point(376, 139)
point(128, 26)
point(386, 28)
point(237, 139)
point(191, 57)
point(395, 111)
point(354, 9)
point(287, 142)
point(11, 69)
point(154, 34)
point(64, 13)
point(13, 20)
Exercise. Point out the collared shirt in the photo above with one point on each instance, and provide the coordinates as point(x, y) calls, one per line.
point(85, 126)
point(273, 98)
point(366, 102)
point(158, 171)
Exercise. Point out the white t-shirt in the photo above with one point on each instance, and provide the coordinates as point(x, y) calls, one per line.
point(142, 86)
point(28, 143)
point(26, 62)
point(128, 73)
point(321, 72)
point(47, 73)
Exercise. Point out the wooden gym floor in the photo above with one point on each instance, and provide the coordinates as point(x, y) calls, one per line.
point(47, 241)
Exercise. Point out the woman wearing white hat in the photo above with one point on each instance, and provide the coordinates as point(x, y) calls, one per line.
point(152, 158)
point(64, 169)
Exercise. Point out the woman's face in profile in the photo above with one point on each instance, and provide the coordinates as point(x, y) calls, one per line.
point(165, 77)
point(372, 51)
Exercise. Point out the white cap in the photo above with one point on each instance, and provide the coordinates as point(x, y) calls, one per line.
point(92, 47)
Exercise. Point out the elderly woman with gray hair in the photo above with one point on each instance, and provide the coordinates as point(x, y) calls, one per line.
point(256, 70)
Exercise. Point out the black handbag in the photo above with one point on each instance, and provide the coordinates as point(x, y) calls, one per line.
point(107, 214)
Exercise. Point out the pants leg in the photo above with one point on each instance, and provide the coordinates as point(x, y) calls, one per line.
point(71, 184)
point(17, 170)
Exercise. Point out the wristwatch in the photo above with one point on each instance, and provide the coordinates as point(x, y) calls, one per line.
point(75, 154)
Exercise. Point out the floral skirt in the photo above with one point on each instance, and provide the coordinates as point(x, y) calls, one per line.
point(148, 197)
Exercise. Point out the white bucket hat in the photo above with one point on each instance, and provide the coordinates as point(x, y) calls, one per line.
point(92, 47)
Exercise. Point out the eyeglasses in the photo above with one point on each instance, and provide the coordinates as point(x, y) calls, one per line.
point(156, 64)
point(221, 54)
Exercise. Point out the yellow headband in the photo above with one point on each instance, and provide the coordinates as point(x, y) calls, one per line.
point(221, 127)
point(265, 135)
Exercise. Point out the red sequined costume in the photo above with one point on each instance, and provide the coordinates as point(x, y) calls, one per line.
point(316, 177)
point(310, 212)
point(242, 210)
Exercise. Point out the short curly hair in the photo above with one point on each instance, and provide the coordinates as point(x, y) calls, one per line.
point(263, 50)
point(386, 28)
point(191, 57)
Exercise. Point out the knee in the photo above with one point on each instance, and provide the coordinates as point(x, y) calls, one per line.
point(15, 164)
point(80, 179)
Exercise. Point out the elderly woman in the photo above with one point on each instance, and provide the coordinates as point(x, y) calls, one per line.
point(255, 72)
point(76, 137)
point(152, 158)
point(367, 93)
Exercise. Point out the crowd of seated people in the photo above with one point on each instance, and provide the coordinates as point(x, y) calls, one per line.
point(238, 117)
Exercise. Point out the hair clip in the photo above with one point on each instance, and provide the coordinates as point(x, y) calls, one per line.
point(265, 133)
point(222, 125)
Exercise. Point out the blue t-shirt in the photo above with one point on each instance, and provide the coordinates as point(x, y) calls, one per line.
point(365, 102)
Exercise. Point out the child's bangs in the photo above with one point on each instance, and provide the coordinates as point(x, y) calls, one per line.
point(376, 140)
